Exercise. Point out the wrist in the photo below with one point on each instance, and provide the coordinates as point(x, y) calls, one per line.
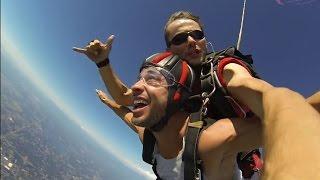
point(103, 63)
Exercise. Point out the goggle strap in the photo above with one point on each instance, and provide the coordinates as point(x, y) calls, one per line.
point(161, 56)
point(182, 80)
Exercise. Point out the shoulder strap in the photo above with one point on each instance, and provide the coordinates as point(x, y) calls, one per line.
point(191, 159)
point(233, 52)
point(190, 155)
point(221, 102)
point(148, 146)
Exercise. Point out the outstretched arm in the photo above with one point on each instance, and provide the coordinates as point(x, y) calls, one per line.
point(291, 127)
point(314, 101)
point(291, 136)
point(249, 90)
point(245, 88)
point(119, 91)
point(98, 52)
point(122, 111)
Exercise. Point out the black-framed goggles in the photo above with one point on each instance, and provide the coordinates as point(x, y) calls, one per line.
point(156, 77)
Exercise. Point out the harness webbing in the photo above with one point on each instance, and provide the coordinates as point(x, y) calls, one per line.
point(190, 156)
point(149, 142)
point(148, 146)
point(191, 160)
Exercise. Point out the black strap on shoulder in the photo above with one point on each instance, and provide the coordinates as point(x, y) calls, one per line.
point(148, 146)
point(149, 142)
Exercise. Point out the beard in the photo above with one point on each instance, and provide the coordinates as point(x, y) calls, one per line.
point(154, 116)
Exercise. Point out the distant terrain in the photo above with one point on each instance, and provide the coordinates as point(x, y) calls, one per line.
point(38, 141)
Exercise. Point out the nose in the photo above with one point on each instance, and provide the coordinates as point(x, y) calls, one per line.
point(191, 41)
point(137, 88)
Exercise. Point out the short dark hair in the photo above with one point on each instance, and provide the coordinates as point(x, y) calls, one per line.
point(180, 15)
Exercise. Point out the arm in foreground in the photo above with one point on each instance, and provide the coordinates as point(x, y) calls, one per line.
point(314, 101)
point(291, 126)
point(291, 136)
point(245, 88)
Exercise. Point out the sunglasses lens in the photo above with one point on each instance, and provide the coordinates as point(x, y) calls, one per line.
point(197, 34)
point(182, 37)
point(179, 38)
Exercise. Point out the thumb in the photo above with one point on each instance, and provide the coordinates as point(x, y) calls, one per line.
point(110, 40)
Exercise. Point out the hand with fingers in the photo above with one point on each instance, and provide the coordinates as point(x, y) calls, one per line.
point(122, 111)
point(97, 51)
point(106, 100)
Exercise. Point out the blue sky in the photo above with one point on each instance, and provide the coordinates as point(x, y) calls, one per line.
point(282, 36)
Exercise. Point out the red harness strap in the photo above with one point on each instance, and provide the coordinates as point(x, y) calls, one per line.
point(223, 62)
point(239, 108)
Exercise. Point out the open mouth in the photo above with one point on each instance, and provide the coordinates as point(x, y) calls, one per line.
point(140, 103)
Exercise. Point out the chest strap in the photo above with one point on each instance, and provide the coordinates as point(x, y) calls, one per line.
point(148, 148)
point(190, 156)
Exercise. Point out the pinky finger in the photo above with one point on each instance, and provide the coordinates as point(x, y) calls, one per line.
point(79, 50)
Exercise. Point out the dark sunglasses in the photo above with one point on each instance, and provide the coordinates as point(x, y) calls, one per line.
point(182, 37)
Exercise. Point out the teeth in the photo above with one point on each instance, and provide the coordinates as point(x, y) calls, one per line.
point(140, 101)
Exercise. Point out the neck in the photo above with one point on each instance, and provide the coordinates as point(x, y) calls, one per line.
point(170, 139)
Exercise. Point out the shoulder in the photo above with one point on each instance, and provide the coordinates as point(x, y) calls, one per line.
point(213, 149)
point(236, 69)
point(216, 135)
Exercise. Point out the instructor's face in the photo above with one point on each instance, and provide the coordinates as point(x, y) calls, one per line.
point(149, 99)
point(192, 49)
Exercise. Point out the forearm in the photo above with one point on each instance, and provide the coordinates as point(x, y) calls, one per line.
point(291, 136)
point(123, 112)
point(248, 135)
point(119, 92)
point(314, 101)
point(98, 52)
point(249, 91)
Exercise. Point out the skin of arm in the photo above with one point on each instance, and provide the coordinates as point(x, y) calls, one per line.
point(98, 52)
point(314, 101)
point(249, 90)
point(291, 136)
point(291, 126)
point(122, 111)
point(245, 88)
point(219, 144)
point(119, 91)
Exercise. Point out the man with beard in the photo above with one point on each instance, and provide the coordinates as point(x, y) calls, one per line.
point(160, 97)
point(184, 37)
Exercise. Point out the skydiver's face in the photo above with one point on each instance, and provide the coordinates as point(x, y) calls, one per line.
point(150, 96)
point(193, 49)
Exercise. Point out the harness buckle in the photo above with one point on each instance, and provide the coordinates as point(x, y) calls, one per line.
point(197, 124)
point(205, 101)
